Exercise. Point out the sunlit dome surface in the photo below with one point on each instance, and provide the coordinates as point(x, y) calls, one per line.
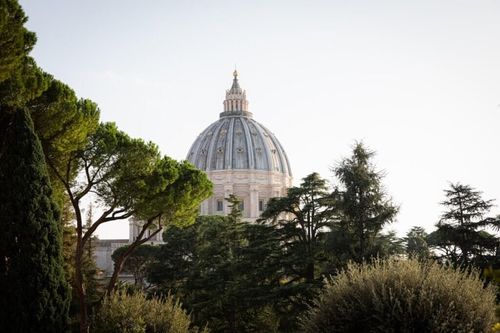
point(237, 141)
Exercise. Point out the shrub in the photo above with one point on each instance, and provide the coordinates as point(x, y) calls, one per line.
point(123, 313)
point(402, 296)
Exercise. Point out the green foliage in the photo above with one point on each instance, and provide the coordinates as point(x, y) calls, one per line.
point(15, 40)
point(25, 84)
point(461, 237)
point(224, 270)
point(302, 219)
point(362, 206)
point(138, 261)
point(34, 295)
point(115, 167)
point(122, 313)
point(179, 193)
point(303, 216)
point(62, 121)
point(128, 177)
point(20, 78)
point(402, 296)
point(131, 178)
point(416, 243)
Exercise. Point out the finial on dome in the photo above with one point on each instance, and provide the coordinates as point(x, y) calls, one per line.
point(236, 99)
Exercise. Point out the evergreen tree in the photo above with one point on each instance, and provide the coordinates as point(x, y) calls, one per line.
point(303, 216)
point(34, 295)
point(226, 271)
point(302, 219)
point(461, 234)
point(363, 207)
point(15, 39)
point(417, 244)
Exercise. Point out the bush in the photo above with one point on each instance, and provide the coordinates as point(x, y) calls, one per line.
point(123, 313)
point(402, 296)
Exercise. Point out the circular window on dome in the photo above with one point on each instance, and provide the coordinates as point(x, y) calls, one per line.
point(220, 150)
point(239, 149)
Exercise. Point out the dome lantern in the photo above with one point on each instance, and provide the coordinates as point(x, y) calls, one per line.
point(236, 102)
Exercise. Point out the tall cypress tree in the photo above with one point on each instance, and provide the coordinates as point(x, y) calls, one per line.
point(34, 295)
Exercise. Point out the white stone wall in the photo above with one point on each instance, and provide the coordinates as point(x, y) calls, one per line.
point(103, 251)
point(250, 186)
point(135, 227)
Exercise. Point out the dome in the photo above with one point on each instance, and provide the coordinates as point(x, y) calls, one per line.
point(242, 158)
point(236, 141)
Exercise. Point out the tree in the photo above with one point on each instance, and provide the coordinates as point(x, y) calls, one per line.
point(225, 270)
point(24, 84)
point(128, 177)
point(34, 294)
point(416, 243)
point(15, 39)
point(461, 236)
point(20, 78)
point(363, 207)
point(172, 196)
point(303, 216)
point(302, 219)
point(63, 124)
point(138, 261)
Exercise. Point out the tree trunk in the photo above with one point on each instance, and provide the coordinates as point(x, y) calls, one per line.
point(84, 324)
point(310, 272)
point(121, 260)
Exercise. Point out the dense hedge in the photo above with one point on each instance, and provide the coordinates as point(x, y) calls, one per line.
point(402, 296)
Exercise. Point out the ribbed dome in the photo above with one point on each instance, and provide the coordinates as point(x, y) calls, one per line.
point(236, 141)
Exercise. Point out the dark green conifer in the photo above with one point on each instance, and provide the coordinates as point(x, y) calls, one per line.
point(462, 237)
point(34, 295)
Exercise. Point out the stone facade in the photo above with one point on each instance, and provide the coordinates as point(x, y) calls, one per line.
point(253, 187)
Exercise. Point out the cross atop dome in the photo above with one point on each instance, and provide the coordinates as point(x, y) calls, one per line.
point(236, 103)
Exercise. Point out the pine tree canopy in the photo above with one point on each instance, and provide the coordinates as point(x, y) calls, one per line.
point(15, 40)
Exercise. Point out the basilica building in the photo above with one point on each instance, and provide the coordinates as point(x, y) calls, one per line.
point(240, 157)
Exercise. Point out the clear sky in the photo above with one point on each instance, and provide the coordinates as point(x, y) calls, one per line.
point(416, 81)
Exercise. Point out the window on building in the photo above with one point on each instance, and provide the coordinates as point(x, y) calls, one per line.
point(261, 205)
point(242, 206)
point(220, 205)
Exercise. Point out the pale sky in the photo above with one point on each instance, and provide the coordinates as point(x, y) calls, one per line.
point(416, 81)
